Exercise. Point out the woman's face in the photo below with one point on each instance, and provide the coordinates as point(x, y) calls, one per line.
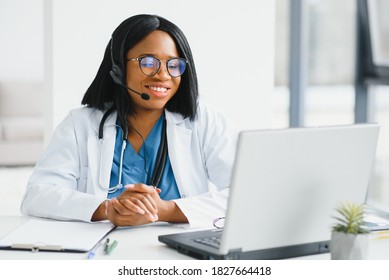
point(162, 86)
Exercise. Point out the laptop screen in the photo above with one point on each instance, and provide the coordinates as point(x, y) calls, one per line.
point(286, 183)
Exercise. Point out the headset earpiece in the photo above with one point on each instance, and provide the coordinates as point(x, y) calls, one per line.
point(116, 72)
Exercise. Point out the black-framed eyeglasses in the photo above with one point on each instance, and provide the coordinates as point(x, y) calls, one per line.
point(219, 222)
point(150, 65)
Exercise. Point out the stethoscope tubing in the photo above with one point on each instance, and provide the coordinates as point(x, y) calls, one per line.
point(160, 161)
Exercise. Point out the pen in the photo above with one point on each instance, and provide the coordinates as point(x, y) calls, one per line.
point(92, 252)
point(112, 247)
point(106, 246)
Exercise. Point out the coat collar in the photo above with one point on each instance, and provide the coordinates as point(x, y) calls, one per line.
point(111, 120)
point(173, 118)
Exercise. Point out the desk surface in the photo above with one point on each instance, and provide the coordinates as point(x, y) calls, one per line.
point(141, 243)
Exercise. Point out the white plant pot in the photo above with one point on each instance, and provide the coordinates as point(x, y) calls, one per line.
point(349, 246)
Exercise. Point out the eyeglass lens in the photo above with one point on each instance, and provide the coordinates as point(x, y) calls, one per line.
point(150, 66)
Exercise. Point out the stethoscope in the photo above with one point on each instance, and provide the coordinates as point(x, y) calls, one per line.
point(160, 161)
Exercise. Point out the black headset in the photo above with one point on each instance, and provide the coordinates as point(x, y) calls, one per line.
point(116, 72)
point(117, 76)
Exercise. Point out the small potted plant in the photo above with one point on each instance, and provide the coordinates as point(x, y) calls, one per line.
point(349, 239)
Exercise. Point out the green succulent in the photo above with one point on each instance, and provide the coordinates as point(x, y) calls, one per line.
point(350, 218)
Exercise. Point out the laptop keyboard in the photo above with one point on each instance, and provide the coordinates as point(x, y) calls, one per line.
point(213, 241)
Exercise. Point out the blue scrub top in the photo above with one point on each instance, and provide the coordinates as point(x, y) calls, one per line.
point(139, 167)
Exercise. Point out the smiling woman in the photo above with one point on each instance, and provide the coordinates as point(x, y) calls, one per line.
point(144, 148)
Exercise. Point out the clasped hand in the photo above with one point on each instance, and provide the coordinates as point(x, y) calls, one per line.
point(137, 205)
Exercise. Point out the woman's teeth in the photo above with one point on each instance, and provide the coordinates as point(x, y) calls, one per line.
point(159, 89)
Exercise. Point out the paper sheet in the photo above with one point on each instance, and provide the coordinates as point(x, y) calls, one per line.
point(79, 236)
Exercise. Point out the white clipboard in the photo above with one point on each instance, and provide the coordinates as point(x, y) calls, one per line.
point(58, 236)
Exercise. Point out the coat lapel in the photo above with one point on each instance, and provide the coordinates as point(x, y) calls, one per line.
point(179, 139)
point(100, 153)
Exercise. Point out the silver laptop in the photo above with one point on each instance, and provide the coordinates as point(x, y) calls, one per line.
point(285, 186)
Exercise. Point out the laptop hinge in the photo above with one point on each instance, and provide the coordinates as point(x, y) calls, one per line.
point(234, 254)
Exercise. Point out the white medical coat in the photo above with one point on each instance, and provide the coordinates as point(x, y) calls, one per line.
point(71, 179)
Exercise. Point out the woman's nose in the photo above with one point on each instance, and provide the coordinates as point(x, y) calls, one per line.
point(163, 73)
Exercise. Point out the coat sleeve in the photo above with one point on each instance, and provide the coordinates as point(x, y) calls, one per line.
point(218, 138)
point(52, 190)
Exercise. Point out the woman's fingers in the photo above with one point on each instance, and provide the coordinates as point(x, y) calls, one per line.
point(129, 206)
point(149, 202)
point(147, 195)
point(135, 206)
point(143, 200)
point(117, 219)
point(142, 188)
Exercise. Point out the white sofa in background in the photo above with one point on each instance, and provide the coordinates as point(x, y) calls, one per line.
point(21, 123)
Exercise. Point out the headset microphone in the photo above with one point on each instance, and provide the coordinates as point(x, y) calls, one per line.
point(144, 96)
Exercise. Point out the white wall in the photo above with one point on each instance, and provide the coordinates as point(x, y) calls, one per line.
point(21, 40)
point(227, 32)
point(62, 43)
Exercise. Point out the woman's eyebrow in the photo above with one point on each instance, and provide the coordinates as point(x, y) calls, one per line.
point(156, 56)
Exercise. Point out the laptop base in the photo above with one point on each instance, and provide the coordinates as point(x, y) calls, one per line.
point(189, 247)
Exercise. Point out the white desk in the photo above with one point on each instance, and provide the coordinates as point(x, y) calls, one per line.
point(141, 243)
